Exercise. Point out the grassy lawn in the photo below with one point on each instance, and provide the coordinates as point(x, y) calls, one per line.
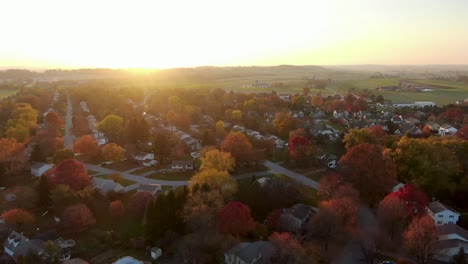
point(173, 176)
point(144, 170)
point(122, 166)
point(242, 170)
point(122, 181)
point(6, 93)
point(91, 172)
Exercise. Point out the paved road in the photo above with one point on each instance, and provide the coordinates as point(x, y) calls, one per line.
point(68, 138)
point(135, 178)
point(299, 177)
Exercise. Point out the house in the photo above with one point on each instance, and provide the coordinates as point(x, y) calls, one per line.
point(249, 253)
point(75, 261)
point(155, 253)
point(442, 214)
point(447, 129)
point(127, 260)
point(148, 163)
point(409, 128)
point(424, 104)
point(397, 119)
point(398, 186)
point(451, 238)
point(153, 189)
point(182, 165)
point(403, 104)
point(16, 244)
point(39, 168)
point(292, 219)
point(433, 126)
point(142, 156)
point(104, 185)
point(413, 121)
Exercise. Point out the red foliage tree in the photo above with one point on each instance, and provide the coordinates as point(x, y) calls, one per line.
point(53, 121)
point(392, 215)
point(87, 146)
point(78, 217)
point(18, 217)
point(462, 133)
point(369, 170)
point(288, 249)
point(70, 172)
point(116, 209)
point(378, 131)
point(416, 201)
point(137, 203)
point(329, 185)
point(239, 146)
point(420, 239)
point(300, 150)
point(234, 218)
point(452, 115)
point(273, 219)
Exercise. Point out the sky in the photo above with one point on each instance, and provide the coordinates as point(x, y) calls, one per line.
point(177, 33)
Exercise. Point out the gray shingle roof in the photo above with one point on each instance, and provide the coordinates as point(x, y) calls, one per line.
point(437, 207)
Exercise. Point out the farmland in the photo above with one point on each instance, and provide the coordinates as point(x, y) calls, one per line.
point(6, 93)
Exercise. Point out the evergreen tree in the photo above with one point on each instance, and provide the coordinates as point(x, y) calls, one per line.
point(37, 155)
point(43, 190)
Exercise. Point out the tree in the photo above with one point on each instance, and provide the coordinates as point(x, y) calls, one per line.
point(329, 186)
point(462, 133)
point(43, 190)
point(287, 250)
point(420, 239)
point(62, 196)
point(283, 123)
point(430, 167)
point(460, 257)
point(78, 217)
point(217, 160)
point(113, 152)
point(368, 248)
point(51, 252)
point(220, 128)
point(369, 170)
point(214, 180)
point(392, 215)
point(111, 126)
point(300, 150)
point(11, 153)
point(116, 209)
point(234, 218)
point(37, 155)
point(87, 146)
point(137, 203)
point(162, 145)
point(415, 200)
point(53, 121)
point(18, 218)
point(317, 100)
point(32, 257)
point(239, 146)
point(355, 137)
point(236, 115)
point(63, 154)
point(70, 172)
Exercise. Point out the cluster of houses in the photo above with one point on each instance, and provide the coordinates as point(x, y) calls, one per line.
point(451, 237)
point(256, 135)
point(92, 124)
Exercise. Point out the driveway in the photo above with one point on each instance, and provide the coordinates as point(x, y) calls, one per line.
point(135, 178)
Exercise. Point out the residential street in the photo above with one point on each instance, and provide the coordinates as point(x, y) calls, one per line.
point(299, 177)
point(68, 138)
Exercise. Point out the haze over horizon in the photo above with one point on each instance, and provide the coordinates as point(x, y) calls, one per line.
point(167, 34)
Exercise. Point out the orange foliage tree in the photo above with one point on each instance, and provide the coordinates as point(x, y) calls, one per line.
point(87, 146)
point(239, 146)
point(11, 153)
point(116, 208)
point(18, 217)
point(113, 152)
point(420, 239)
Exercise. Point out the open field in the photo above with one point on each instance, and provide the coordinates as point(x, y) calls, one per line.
point(6, 93)
point(448, 93)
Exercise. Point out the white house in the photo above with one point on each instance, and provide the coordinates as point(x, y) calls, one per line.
point(442, 214)
point(155, 253)
point(39, 168)
point(148, 163)
point(142, 156)
point(447, 130)
point(451, 238)
point(182, 165)
point(153, 189)
point(104, 186)
point(398, 186)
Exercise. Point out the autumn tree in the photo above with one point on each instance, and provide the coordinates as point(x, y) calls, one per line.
point(63, 154)
point(220, 128)
point(420, 239)
point(392, 215)
point(370, 170)
point(329, 186)
point(49, 140)
point(430, 167)
point(43, 191)
point(214, 180)
point(300, 150)
point(239, 146)
point(415, 200)
point(287, 249)
point(111, 126)
point(51, 252)
point(62, 196)
point(283, 123)
point(116, 209)
point(70, 172)
point(113, 152)
point(355, 137)
point(462, 133)
point(137, 203)
point(236, 115)
point(234, 218)
point(18, 218)
point(217, 160)
point(162, 145)
point(11, 154)
point(78, 217)
point(37, 155)
point(87, 147)
point(53, 121)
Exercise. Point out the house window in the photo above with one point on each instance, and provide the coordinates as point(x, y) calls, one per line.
point(440, 216)
point(439, 222)
point(451, 216)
